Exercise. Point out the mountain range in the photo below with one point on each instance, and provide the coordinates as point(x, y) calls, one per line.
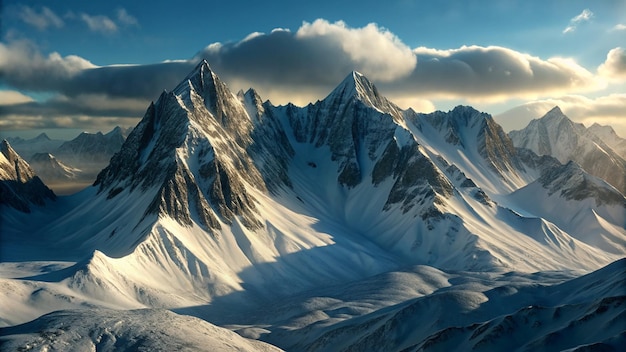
point(69, 166)
point(592, 148)
point(348, 223)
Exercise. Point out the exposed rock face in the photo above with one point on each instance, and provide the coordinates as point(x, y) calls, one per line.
point(556, 135)
point(20, 188)
point(94, 148)
point(191, 145)
point(202, 147)
point(206, 156)
point(573, 183)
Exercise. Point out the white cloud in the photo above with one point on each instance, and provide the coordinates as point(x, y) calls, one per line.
point(99, 23)
point(123, 17)
point(374, 50)
point(492, 73)
point(304, 66)
point(40, 20)
point(21, 62)
point(619, 27)
point(584, 16)
point(614, 67)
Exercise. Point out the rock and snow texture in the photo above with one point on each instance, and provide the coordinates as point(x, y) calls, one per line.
point(556, 135)
point(218, 203)
point(51, 170)
point(607, 135)
point(115, 330)
point(91, 152)
point(585, 206)
point(20, 188)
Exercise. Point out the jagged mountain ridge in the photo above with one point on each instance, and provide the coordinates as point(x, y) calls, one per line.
point(71, 165)
point(40, 144)
point(326, 159)
point(91, 152)
point(50, 169)
point(20, 187)
point(556, 135)
point(607, 135)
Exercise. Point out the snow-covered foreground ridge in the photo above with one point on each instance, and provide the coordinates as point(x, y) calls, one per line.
point(219, 204)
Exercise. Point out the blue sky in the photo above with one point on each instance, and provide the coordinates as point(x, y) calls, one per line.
point(71, 65)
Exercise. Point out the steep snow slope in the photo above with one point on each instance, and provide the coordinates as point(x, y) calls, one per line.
point(583, 205)
point(474, 144)
point(113, 330)
point(556, 135)
point(607, 135)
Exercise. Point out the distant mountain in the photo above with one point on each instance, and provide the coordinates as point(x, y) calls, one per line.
point(40, 144)
point(20, 188)
point(556, 135)
point(607, 135)
point(91, 151)
point(77, 160)
point(50, 169)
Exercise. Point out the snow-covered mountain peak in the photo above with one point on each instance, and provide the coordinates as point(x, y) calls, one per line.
point(356, 87)
point(19, 185)
point(556, 135)
point(252, 102)
point(21, 171)
point(201, 78)
point(555, 113)
point(469, 116)
point(607, 135)
point(42, 137)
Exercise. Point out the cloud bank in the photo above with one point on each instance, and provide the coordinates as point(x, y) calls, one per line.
point(299, 67)
point(614, 68)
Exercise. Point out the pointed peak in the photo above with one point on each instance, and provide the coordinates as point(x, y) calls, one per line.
point(554, 114)
point(42, 137)
point(5, 147)
point(117, 130)
point(596, 127)
point(200, 77)
point(202, 66)
point(465, 109)
point(357, 86)
point(469, 115)
point(354, 81)
point(253, 95)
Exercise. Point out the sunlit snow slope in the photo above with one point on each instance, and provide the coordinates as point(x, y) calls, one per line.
point(219, 199)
